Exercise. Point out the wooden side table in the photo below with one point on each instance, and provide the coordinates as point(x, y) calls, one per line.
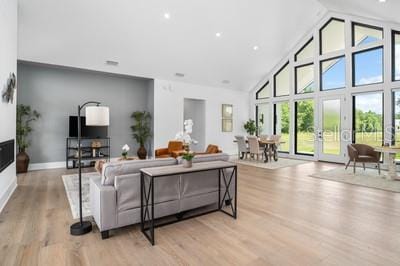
point(390, 152)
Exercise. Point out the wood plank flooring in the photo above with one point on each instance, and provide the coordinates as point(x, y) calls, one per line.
point(285, 218)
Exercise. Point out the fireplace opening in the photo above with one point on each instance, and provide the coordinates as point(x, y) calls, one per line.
point(7, 154)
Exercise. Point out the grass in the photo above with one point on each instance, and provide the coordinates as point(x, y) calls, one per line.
point(305, 142)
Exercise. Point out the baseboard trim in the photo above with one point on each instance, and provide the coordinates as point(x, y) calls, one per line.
point(43, 166)
point(8, 193)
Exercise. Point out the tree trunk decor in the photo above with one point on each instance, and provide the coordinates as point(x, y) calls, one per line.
point(141, 131)
point(24, 118)
point(22, 162)
point(142, 153)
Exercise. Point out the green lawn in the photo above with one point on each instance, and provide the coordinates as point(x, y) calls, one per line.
point(305, 142)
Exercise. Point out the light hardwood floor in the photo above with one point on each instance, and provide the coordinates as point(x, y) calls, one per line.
point(285, 218)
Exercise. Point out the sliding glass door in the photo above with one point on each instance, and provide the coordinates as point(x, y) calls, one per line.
point(368, 118)
point(304, 127)
point(282, 123)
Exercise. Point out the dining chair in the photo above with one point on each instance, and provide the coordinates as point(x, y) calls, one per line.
point(254, 147)
point(243, 150)
point(264, 137)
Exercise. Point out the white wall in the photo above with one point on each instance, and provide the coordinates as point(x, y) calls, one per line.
point(169, 105)
point(8, 64)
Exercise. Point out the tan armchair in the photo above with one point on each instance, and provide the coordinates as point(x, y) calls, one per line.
point(210, 150)
point(362, 153)
point(175, 149)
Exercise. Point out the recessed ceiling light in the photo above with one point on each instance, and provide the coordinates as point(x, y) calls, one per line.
point(382, 1)
point(167, 16)
point(181, 75)
point(218, 34)
point(112, 63)
point(255, 47)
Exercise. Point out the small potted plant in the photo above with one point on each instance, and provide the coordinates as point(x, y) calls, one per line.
point(187, 159)
point(250, 127)
point(125, 150)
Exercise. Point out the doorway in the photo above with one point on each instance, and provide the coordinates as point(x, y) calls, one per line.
point(195, 109)
point(330, 124)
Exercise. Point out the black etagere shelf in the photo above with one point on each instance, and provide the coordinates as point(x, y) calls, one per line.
point(90, 153)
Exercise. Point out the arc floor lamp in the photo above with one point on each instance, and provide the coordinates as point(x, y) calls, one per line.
point(96, 115)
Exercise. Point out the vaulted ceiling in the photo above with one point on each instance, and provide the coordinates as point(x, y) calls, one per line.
point(387, 11)
point(147, 43)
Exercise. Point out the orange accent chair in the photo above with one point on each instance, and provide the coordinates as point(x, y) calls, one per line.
point(211, 149)
point(175, 149)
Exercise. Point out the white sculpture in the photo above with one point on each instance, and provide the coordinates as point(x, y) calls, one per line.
point(185, 135)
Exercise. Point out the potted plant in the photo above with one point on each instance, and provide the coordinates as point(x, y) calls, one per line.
point(141, 131)
point(250, 127)
point(25, 115)
point(125, 150)
point(187, 159)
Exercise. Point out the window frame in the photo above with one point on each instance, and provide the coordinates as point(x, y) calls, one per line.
point(295, 78)
point(394, 33)
point(302, 48)
point(393, 139)
point(230, 118)
point(353, 66)
point(353, 110)
point(276, 120)
point(276, 74)
point(263, 87)
point(323, 27)
point(295, 127)
point(353, 24)
point(321, 83)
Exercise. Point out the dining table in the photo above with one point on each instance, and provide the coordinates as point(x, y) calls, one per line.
point(270, 148)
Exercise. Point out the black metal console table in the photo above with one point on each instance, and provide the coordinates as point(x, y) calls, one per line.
point(147, 193)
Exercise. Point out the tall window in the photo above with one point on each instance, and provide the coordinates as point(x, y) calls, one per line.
point(332, 37)
point(304, 127)
point(333, 73)
point(396, 55)
point(282, 81)
point(282, 123)
point(365, 34)
point(368, 118)
point(304, 77)
point(263, 118)
point(396, 118)
point(264, 92)
point(368, 67)
point(306, 52)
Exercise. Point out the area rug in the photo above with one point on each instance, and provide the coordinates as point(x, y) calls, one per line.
point(281, 163)
point(368, 178)
point(71, 185)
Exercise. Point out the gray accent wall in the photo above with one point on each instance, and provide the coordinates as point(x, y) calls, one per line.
point(56, 93)
point(195, 109)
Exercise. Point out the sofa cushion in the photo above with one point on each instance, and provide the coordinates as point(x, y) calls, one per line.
point(128, 190)
point(113, 169)
point(207, 158)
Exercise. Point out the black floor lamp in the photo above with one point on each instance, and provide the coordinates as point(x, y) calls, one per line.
point(95, 116)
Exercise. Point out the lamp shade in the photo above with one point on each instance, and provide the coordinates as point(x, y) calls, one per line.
point(97, 116)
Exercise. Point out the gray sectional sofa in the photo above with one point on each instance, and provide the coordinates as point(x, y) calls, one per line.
point(115, 196)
